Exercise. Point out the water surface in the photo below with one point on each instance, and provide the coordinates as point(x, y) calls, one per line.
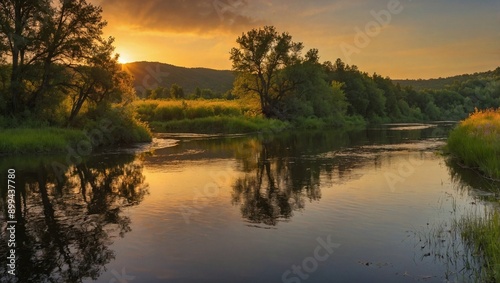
point(287, 207)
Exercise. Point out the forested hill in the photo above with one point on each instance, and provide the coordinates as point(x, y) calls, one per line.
point(441, 83)
point(151, 75)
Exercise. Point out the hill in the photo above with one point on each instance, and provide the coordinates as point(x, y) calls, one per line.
point(441, 83)
point(150, 75)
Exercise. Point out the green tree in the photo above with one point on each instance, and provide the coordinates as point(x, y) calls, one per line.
point(176, 91)
point(260, 58)
point(41, 36)
point(99, 80)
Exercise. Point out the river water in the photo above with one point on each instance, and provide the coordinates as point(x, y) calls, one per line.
point(372, 205)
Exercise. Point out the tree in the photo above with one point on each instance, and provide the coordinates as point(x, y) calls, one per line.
point(176, 91)
point(259, 60)
point(99, 80)
point(41, 36)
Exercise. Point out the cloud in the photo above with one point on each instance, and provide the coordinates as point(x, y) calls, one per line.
point(189, 16)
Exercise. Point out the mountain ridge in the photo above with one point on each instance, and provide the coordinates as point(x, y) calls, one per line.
point(150, 75)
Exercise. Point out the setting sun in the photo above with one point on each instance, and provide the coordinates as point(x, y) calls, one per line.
point(123, 59)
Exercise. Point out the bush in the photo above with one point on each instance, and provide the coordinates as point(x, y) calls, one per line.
point(120, 125)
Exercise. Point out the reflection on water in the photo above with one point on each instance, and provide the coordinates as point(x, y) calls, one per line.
point(473, 182)
point(66, 225)
point(366, 190)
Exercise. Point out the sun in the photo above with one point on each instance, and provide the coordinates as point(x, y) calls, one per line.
point(124, 59)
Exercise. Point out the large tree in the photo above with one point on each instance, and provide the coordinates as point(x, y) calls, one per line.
point(100, 80)
point(260, 60)
point(40, 36)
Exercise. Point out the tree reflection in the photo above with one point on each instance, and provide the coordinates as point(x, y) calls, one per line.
point(66, 225)
point(270, 195)
point(282, 176)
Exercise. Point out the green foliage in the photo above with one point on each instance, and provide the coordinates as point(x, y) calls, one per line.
point(176, 91)
point(66, 75)
point(219, 125)
point(482, 234)
point(62, 33)
point(39, 140)
point(266, 63)
point(178, 110)
point(122, 125)
point(475, 142)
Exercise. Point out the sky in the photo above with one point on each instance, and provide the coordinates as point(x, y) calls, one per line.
point(396, 38)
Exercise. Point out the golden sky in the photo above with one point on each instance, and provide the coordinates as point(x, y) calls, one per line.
point(396, 38)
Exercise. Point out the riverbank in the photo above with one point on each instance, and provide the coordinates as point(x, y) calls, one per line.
point(475, 142)
point(138, 122)
point(223, 116)
point(109, 131)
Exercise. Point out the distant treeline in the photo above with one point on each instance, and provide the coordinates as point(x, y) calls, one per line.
point(379, 99)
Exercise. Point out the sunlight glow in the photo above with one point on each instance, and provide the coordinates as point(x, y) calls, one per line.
point(124, 59)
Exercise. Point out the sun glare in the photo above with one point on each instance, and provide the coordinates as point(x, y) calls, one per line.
point(123, 59)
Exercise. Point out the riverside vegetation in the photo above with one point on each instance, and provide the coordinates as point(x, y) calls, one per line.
point(65, 81)
point(475, 143)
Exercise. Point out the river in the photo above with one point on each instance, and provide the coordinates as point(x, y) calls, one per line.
point(373, 205)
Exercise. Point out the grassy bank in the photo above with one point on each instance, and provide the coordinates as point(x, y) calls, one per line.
point(482, 235)
point(219, 124)
point(42, 140)
point(204, 116)
point(109, 127)
point(223, 116)
point(476, 142)
point(171, 110)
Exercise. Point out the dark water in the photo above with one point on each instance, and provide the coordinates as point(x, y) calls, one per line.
point(359, 206)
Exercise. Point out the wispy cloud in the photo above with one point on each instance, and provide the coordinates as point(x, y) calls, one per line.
point(191, 16)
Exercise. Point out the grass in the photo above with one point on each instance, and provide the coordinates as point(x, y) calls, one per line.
point(482, 234)
point(475, 142)
point(168, 110)
point(204, 116)
point(219, 124)
point(41, 140)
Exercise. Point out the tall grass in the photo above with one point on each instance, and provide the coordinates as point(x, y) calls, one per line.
point(482, 234)
point(219, 124)
point(476, 142)
point(168, 110)
point(41, 140)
